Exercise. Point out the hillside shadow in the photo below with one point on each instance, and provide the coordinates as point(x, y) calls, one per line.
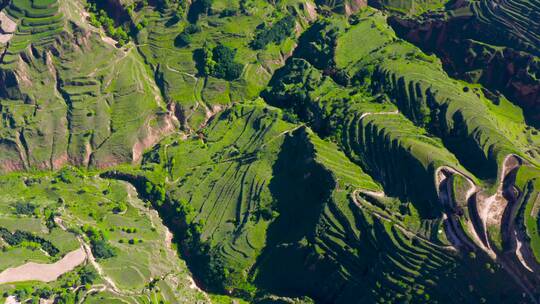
point(300, 187)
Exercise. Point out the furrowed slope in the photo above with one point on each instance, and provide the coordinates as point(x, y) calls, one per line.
point(69, 97)
point(398, 114)
point(491, 42)
point(267, 207)
point(453, 110)
point(216, 191)
point(360, 246)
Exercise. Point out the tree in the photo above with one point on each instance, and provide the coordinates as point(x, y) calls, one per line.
point(225, 66)
point(277, 33)
point(87, 275)
point(102, 250)
point(24, 208)
point(183, 39)
point(199, 7)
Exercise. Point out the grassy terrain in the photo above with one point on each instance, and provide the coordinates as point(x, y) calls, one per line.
point(264, 151)
point(70, 97)
point(527, 180)
point(231, 23)
point(147, 271)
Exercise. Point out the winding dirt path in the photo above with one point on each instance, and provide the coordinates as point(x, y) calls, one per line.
point(91, 259)
point(364, 115)
point(441, 176)
point(519, 254)
point(387, 219)
point(490, 211)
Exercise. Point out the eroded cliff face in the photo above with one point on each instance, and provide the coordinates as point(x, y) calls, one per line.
point(347, 7)
point(502, 64)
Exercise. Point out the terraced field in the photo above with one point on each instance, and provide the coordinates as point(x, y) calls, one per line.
point(422, 122)
point(68, 96)
point(249, 151)
point(495, 43)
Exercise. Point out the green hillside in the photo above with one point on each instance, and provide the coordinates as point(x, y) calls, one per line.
point(269, 152)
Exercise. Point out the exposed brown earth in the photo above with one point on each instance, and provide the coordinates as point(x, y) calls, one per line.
point(43, 272)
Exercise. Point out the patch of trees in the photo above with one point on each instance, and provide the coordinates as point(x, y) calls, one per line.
point(155, 193)
point(276, 34)
point(100, 247)
point(198, 8)
point(185, 38)
point(317, 44)
point(99, 18)
point(218, 62)
point(63, 294)
point(18, 237)
point(24, 208)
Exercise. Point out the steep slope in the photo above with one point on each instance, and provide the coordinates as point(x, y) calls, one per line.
point(495, 43)
point(395, 103)
point(69, 96)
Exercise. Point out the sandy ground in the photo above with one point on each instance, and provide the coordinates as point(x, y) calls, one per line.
point(7, 25)
point(7, 28)
point(519, 254)
point(43, 272)
point(11, 300)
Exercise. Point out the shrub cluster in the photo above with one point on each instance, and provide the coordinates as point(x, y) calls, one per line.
point(100, 248)
point(219, 62)
point(120, 207)
point(276, 34)
point(18, 237)
point(184, 38)
point(99, 18)
point(24, 208)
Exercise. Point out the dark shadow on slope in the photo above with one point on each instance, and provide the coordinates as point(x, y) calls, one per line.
point(301, 187)
point(467, 151)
